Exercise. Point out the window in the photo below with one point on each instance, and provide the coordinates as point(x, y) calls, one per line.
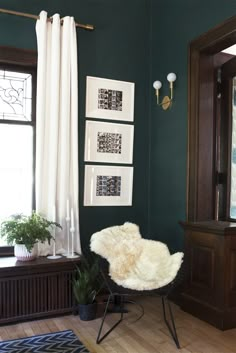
point(17, 133)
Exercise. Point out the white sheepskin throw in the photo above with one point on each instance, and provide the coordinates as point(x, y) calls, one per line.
point(135, 263)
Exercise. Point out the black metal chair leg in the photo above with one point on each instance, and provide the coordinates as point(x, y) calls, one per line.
point(171, 327)
point(99, 339)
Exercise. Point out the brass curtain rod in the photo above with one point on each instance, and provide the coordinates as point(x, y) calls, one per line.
point(23, 14)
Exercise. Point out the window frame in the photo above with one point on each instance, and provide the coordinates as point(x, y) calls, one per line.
point(21, 60)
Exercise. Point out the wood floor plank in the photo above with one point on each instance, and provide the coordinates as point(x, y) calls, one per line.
point(147, 335)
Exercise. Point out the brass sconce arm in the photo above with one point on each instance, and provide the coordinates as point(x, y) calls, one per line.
point(166, 101)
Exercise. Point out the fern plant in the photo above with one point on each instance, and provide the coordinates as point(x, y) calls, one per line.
point(86, 284)
point(27, 230)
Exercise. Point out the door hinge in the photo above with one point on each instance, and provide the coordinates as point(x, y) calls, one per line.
point(218, 83)
point(221, 178)
point(218, 89)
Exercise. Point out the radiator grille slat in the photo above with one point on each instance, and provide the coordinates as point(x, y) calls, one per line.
point(36, 295)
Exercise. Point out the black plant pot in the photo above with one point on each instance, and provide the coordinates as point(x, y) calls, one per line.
point(87, 311)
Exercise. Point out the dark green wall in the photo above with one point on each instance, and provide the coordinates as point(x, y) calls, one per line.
point(174, 25)
point(138, 41)
point(117, 49)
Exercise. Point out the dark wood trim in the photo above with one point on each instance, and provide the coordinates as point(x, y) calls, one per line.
point(201, 170)
point(216, 39)
point(18, 56)
point(6, 251)
point(217, 227)
point(228, 72)
point(210, 257)
point(34, 91)
point(10, 265)
point(221, 58)
point(220, 189)
point(210, 245)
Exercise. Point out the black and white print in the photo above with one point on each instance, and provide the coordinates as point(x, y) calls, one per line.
point(108, 142)
point(109, 99)
point(108, 185)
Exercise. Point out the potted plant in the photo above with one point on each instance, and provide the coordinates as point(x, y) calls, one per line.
point(86, 286)
point(25, 231)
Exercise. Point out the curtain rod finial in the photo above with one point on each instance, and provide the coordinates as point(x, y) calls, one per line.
point(87, 26)
point(91, 27)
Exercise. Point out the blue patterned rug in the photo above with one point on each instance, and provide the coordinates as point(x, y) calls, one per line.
point(60, 342)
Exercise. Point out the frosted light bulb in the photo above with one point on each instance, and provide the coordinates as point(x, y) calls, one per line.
point(171, 77)
point(157, 84)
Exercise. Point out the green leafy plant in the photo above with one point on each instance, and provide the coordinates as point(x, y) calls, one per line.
point(86, 284)
point(27, 230)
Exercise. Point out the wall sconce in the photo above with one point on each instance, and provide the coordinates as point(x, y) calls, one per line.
point(166, 101)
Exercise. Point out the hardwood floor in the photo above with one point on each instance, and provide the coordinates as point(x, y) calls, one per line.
point(147, 335)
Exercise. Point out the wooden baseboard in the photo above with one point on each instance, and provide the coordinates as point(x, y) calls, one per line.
point(223, 320)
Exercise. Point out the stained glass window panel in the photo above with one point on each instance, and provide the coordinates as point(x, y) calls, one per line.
point(15, 95)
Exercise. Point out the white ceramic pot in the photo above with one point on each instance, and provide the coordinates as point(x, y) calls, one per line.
point(22, 254)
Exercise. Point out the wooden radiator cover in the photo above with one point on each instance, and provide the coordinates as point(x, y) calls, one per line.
point(40, 288)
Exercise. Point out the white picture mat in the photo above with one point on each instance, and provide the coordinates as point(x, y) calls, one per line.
point(92, 110)
point(90, 179)
point(92, 154)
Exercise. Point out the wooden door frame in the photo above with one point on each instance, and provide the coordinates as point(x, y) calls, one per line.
point(201, 121)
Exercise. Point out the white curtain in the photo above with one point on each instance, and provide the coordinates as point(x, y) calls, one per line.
point(57, 125)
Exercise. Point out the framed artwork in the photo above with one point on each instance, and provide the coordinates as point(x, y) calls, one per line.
point(109, 99)
point(108, 142)
point(108, 186)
